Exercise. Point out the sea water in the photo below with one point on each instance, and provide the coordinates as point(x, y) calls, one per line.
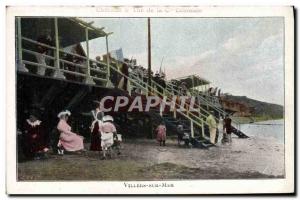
point(266, 129)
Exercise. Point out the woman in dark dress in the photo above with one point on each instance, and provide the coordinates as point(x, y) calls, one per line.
point(34, 144)
point(95, 133)
point(227, 129)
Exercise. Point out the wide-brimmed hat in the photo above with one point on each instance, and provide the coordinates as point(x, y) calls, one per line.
point(108, 118)
point(65, 112)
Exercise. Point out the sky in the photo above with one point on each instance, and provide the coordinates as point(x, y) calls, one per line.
point(242, 56)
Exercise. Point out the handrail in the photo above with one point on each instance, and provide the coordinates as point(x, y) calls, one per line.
point(170, 93)
point(185, 103)
point(71, 63)
point(39, 43)
point(51, 47)
point(218, 109)
point(37, 64)
point(185, 115)
point(37, 53)
point(188, 112)
point(63, 70)
point(201, 109)
point(73, 54)
point(62, 51)
point(63, 60)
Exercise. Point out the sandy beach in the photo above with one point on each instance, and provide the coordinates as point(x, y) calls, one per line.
point(143, 159)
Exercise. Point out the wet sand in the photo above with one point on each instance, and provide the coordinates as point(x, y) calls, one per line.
point(144, 160)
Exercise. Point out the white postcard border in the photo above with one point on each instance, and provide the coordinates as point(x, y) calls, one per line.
point(285, 185)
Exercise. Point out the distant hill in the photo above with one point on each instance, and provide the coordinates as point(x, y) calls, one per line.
point(259, 108)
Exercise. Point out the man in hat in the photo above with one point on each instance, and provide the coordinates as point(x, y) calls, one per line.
point(212, 125)
point(34, 144)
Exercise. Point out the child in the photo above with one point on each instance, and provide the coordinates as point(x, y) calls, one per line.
point(161, 134)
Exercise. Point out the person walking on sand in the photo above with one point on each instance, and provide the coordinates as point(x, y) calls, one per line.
point(68, 140)
point(161, 134)
point(212, 125)
point(227, 129)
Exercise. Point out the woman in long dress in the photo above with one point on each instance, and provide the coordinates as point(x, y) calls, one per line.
point(68, 140)
point(95, 132)
point(34, 142)
point(161, 134)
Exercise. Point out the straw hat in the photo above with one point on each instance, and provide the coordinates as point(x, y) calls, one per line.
point(65, 112)
point(108, 118)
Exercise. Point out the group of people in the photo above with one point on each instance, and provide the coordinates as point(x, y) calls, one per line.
point(104, 133)
point(140, 71)
point(103, 136)
point(213, 126)
point(43, 51)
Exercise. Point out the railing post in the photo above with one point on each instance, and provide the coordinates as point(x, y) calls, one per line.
point(20, 65)
point(129, 87)
point(160, 110)
point(57, 73)
point(174, 113)
point(202, 127)
point(108, 82)
point(192, 129)
point(88, 79)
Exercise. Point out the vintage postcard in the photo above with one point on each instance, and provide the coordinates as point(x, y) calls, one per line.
point(150, 100)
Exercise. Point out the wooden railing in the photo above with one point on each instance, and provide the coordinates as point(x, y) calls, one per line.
point(85, 70)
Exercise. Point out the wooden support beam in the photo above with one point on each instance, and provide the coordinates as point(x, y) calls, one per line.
point(88, 79)
point(149, 55)
point(57, 73)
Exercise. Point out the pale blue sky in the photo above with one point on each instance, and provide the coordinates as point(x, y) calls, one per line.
point(243, 56)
